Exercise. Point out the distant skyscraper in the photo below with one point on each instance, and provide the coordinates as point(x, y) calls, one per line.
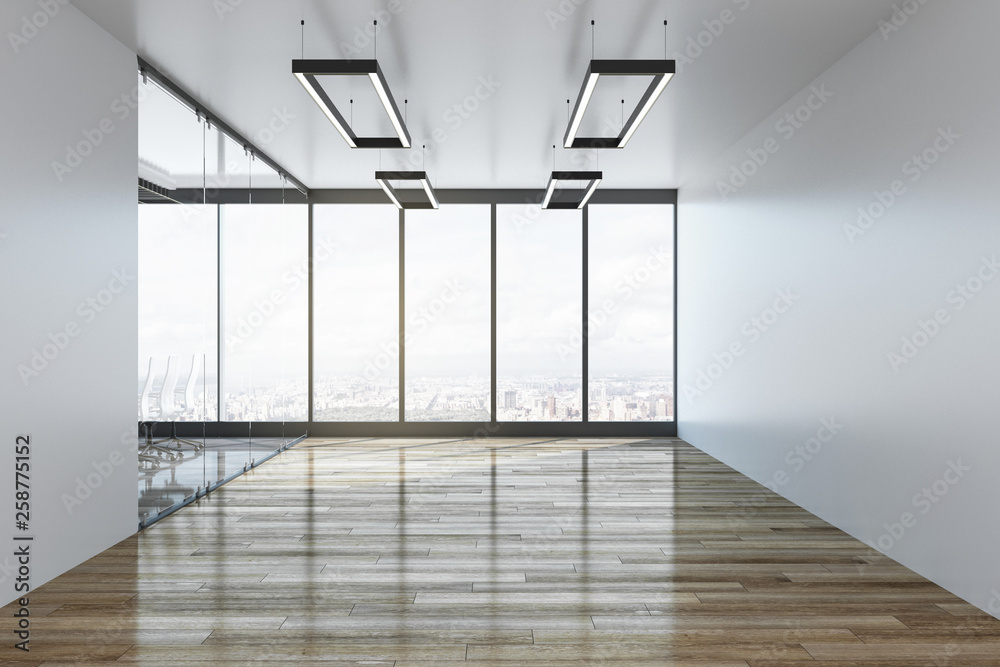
point(552, 406)
point(510, 400)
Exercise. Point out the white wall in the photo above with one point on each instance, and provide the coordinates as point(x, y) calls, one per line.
point(66, 237)
point(898, 430)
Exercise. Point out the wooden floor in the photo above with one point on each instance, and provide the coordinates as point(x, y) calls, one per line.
point(507, 552)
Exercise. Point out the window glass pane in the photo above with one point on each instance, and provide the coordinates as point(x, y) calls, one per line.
point(177, 312)
point(631, 311)
point(448, 314)
point(539, 313)
point(356, 313)
point(265, 303)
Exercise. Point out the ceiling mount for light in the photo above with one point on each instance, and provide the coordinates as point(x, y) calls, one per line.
point(383, 178)
point(306, 72)
point(661, 71)
point(593, 176)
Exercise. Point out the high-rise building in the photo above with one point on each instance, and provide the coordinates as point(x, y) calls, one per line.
point(510, 400)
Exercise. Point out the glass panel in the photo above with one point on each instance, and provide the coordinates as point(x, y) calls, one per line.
point(177, 311)
point(631, 312)
point(356, 313)
point(448, 314)
point(265, 303)
point(539, 313)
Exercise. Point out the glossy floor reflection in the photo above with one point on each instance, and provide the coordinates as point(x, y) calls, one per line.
point(506, 552)
point(195, 468)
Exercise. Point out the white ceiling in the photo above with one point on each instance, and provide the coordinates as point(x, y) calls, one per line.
point(436, 53)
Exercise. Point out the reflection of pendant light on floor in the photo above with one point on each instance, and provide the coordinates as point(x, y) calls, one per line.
point(306, 72)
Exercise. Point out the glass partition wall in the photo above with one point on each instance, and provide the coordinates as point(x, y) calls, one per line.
point(220, 287)
point(177, 379)
point(223, 339)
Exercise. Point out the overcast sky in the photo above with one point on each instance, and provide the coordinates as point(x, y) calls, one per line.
point(539, 293)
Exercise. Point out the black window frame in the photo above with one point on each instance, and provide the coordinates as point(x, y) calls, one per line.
point(402, 428)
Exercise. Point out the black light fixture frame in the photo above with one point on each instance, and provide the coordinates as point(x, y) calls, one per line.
point(306, 72)
point(662, 72)
point(383, 178)
point(594, 177)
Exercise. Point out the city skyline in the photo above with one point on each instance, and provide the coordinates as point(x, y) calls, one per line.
point(445, 398)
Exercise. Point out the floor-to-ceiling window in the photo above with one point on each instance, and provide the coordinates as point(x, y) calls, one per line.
point(447, 324)
point(539, 314)
point(356, 313)
point(631, 312)
point(369, 261)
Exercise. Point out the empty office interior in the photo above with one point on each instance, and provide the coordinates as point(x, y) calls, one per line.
point(634, 290)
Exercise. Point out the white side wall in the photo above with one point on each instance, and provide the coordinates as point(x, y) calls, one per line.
point(68, 254)
point(926, 422)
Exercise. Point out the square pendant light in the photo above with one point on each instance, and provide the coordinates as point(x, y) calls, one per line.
point(661, 71)
point(593, 176)
point(306, 72)
point(383, 178)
